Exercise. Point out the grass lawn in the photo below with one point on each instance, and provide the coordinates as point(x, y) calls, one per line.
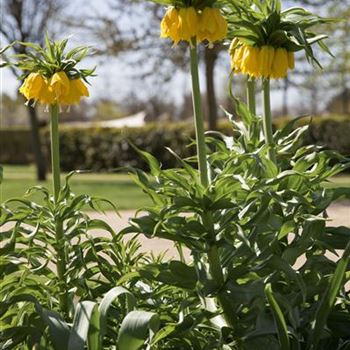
point(118, 188)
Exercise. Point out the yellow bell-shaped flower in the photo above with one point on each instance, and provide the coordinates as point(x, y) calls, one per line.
point(170, 24)
point(212, 25)
point(59, 84)
point(280, 64)
point(260, 62)
point(180, 24)
point(47, 96)
point(251, 61)
point(267, 54)
point(188, 23)
point(32, 86)
point(77, 90)
point(233, 47)
point(236, 60)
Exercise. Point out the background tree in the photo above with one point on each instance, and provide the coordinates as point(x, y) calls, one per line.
point(28, 20)
point(332, 86)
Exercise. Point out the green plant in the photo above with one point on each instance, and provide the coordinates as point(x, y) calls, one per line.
point(31, 251)
point(263, 217)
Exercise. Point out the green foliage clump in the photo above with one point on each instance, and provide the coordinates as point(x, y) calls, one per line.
point(43, 274)
point(263, 219)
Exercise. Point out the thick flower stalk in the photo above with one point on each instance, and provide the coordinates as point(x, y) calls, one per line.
point(188, 23)
point(261, 62)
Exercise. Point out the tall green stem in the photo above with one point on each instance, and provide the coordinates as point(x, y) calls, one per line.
point(213, 254)
point(198, 116)
point(55, 152)
point(251, 95)
point(61, 257)
point(267, 119)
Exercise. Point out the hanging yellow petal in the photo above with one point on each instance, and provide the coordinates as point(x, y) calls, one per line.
point(180, 24)
point(236, 61)
point(188, 23)
point(77, 90)
point(266, 59)
point(31, 86)
point(280, 64)
point(233, 47)
point(169, 25)
point(212, 25)
point(251, 61)
point(59, 83)
point(46, 95)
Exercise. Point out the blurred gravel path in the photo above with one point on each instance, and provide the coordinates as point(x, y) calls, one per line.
point(339, 214)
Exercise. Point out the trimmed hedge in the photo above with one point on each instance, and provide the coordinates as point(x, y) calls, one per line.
point(15, 146)
point(107, 148)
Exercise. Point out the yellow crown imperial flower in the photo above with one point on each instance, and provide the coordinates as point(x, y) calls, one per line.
point(180, 24)
point(267, 54)
point(265, 61)
point(188, 23)
point(280, 64)
point(46, 96)
point(170, 24)
point(59, 84)
point(237, 57)
point(77, 89)
point(32, 86)
point(51, 74)
point(59, 89)
point(212, 25)
point(251, 63)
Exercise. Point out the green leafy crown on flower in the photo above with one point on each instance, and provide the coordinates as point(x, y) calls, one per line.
point(257, 23)
point(51, 59)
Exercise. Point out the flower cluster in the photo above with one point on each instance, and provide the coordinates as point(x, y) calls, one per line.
point(261, 62)
point(58, 89)
point(187, 23)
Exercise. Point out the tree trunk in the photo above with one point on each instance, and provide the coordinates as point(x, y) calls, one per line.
point(211, 56)
point(38, 153)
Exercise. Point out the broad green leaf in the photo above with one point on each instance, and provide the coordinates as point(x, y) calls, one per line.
point(58, 329)
point(105, 304)
point(137, 328)
point(81, 324)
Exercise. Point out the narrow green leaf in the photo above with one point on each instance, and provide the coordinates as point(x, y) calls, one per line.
point(279, 319)
point(327, 302)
